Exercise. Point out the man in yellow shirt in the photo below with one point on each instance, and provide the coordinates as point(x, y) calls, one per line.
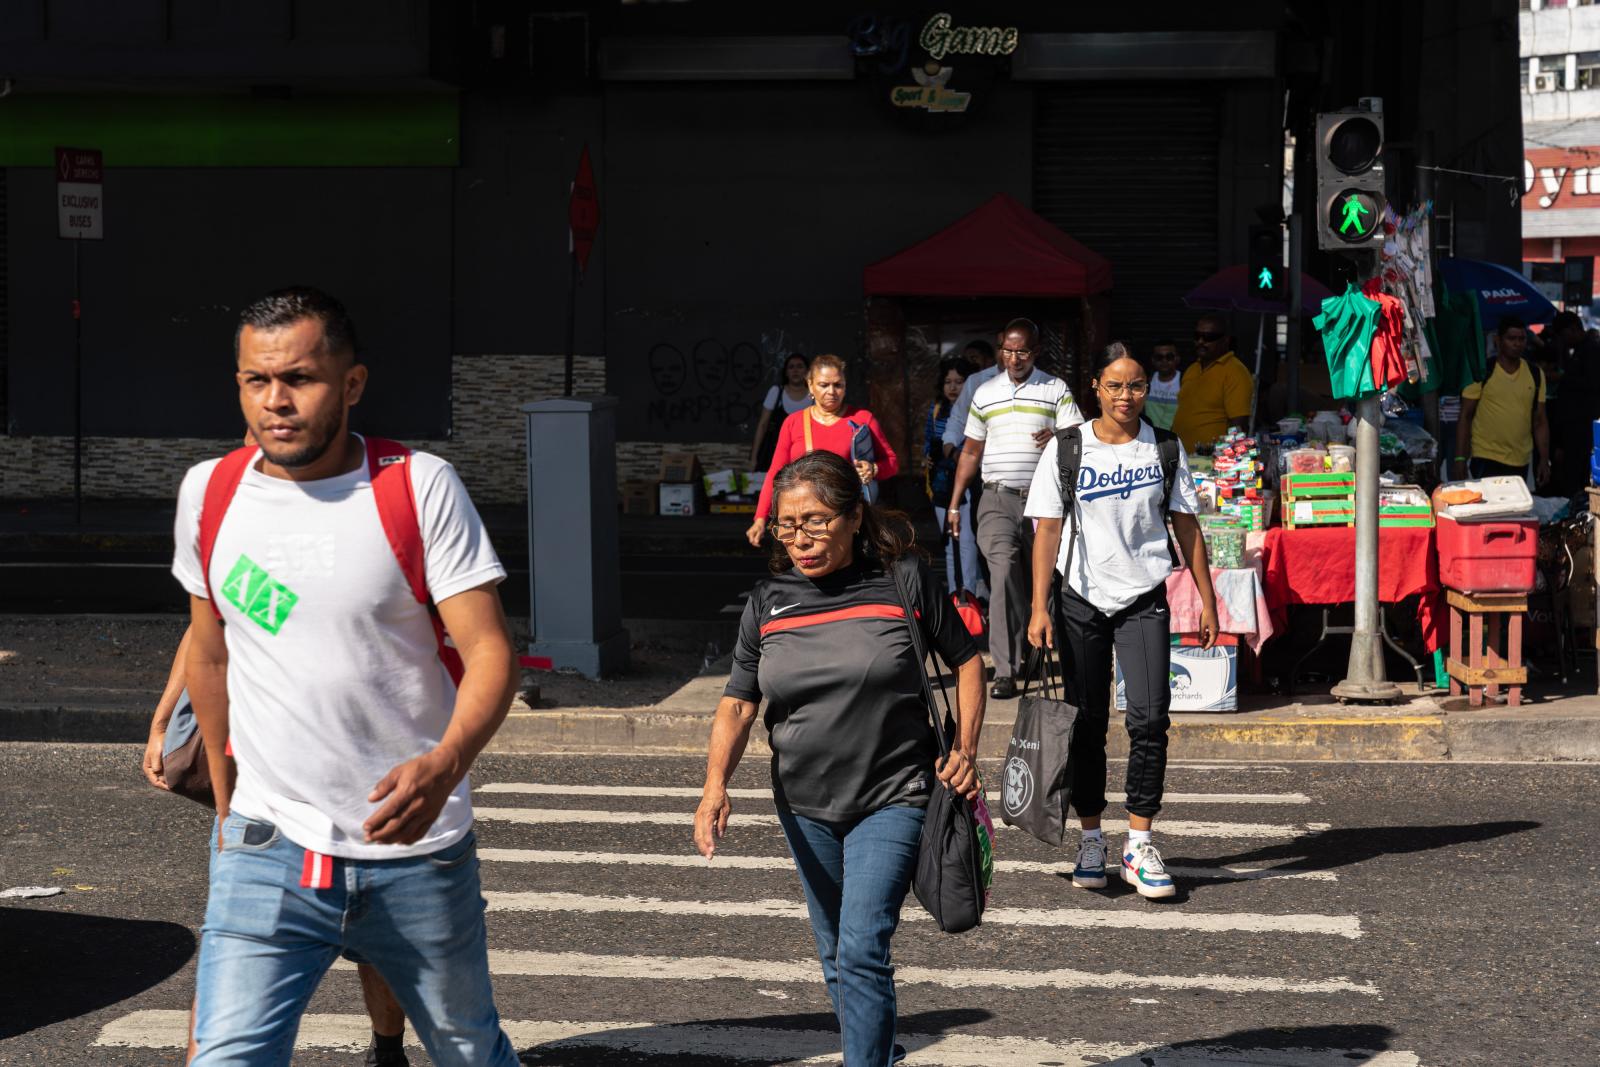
point(1216, 390)
point(1503, 416)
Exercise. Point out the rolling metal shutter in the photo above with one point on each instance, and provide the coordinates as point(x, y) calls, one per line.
point(1132, 172)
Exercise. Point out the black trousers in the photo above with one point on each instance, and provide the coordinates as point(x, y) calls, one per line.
point(1140, 634)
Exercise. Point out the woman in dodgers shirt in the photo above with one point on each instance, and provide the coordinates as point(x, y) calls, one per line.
point(1115, 596)
point(827, 643)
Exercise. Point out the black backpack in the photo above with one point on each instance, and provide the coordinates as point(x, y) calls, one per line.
point(1069, 457)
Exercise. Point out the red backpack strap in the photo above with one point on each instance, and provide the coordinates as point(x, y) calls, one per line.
point(224, 482)
point(389, 469)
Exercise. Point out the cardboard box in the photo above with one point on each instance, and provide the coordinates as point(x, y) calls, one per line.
point(723, 483)
point(638, 498)
point(1298, 513)
point(679, 498)
point(1202, 679)
point(679, 467)
point(1302, 486)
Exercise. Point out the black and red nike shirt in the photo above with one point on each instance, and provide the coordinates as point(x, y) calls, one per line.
point(833, 658)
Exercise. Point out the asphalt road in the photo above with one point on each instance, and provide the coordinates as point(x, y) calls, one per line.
point(1389, 914)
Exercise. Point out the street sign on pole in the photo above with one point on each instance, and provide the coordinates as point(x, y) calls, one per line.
point(80, 204)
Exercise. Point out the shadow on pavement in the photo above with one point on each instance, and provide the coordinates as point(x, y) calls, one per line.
point(1314, 1046)
point(809, 1034)
point(68, 965)
point(1345, 846)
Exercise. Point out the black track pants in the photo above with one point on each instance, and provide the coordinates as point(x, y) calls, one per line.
point(1140, 635)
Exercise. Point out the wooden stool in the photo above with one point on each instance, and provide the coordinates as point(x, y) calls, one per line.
point(1486, 668)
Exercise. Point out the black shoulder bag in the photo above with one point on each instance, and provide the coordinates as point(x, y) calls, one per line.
point(949, 876)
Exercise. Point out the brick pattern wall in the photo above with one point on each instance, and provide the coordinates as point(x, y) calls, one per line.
point(487, 446)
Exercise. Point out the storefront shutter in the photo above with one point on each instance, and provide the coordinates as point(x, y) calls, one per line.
point(1132, 173)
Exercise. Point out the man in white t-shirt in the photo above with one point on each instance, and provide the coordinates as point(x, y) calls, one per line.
point(344, 820)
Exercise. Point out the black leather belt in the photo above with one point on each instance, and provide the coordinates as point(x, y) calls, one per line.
point(1002, 488)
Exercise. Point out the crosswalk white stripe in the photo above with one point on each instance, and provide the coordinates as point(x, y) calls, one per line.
point(785, 863)
point(807, 972)
point(690, 792)
point(1086, 918)
point(165, 1029)
point(1166, 827)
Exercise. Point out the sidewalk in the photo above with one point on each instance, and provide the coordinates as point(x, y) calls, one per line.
point(1269, 728)
point(97, 678)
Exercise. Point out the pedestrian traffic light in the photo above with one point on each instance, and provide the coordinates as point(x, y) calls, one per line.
point(1350, 191)
point(1265, 264)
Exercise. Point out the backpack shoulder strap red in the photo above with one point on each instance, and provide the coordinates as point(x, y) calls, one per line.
point(389, 469)
point(223, 483)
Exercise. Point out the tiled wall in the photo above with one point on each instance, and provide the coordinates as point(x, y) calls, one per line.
point(488, 446)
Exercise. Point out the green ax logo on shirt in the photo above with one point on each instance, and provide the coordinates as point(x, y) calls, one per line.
point(252, 590)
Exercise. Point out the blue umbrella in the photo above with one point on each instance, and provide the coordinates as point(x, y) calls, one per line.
point(1499, 291)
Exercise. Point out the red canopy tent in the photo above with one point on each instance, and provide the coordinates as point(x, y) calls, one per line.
point(966, 282)
point(1001, 249)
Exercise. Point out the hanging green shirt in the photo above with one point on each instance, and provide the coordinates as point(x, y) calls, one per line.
point(1346, 325)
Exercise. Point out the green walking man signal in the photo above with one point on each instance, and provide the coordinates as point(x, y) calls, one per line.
point(1264, 280)
point(1353, 210)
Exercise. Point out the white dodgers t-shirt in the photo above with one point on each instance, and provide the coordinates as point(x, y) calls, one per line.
point(333, 671)
point(1122, 527)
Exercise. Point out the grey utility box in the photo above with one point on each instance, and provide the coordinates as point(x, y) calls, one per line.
point(575, 591)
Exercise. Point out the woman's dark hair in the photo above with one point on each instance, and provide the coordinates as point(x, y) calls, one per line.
point(790, 358)
point(885, 535)
point(946, 365)
point(1114, 351)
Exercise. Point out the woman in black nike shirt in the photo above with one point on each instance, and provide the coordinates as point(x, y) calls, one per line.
point(825, 642)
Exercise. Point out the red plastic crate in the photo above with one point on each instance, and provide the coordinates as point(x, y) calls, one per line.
point(1488, 557)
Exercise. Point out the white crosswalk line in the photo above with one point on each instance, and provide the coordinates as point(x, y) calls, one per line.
point(785, 863)
point(807, 972)
point(153, 1029)
point(1084, 918)
point(1165, 828)
point(690, 792)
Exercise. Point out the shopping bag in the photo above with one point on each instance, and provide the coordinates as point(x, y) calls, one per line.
point(1037, 777)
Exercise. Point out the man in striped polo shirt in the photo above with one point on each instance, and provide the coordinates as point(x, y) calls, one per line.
point(1013, 416)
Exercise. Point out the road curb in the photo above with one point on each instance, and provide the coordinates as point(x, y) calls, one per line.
point(34, 722)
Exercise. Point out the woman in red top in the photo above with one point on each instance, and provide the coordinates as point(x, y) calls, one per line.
point(832, 427)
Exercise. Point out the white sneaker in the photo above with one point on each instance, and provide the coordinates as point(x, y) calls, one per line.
point(1090, 871)
point(1143, 869)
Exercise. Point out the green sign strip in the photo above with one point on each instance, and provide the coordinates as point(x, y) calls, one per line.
point(348, 130)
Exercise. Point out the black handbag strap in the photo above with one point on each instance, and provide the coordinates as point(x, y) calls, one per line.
point(1038, 666)
point(903, 569)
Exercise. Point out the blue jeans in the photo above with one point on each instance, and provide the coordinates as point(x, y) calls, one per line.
point(267, 942)
point(854, 916)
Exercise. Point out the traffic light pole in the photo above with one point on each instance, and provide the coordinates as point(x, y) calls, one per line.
point(1292, 402)
point(1365, 678)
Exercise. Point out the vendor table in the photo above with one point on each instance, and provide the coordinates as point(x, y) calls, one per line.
point(1242, 606)
point(1318, 566)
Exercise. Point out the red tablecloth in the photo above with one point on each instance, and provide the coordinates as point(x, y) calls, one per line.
point(1318, 566)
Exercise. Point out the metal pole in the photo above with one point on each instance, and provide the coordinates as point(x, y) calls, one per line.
point(1365, 678)
point(1292, 403)
point(572, 319)
point(77, 381)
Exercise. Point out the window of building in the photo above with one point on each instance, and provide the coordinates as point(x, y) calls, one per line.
point(1588, 70)
point(1552, 73)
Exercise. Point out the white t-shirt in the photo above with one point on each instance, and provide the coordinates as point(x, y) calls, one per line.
point(1122, 524)
point(955, 427)
point(789, 406)
point(333, 672)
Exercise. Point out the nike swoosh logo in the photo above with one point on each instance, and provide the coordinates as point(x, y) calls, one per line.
point(780, 611)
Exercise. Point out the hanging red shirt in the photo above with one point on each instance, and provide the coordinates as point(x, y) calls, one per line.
point(1388, 337)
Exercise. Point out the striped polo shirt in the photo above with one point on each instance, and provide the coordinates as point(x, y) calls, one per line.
point(1005, 416)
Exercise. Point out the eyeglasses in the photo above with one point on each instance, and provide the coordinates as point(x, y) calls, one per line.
point(1016, 351)
point(816, 526)
point(1217, 336)
point(1131, 389)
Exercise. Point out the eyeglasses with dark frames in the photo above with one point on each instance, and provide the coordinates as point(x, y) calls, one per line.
point(816, 526)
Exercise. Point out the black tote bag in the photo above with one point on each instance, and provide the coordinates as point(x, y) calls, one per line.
point(949, 876)
point(1036, 782)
